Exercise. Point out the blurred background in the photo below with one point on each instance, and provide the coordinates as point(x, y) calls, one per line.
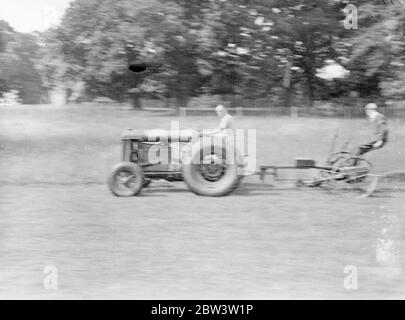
point(244, 53)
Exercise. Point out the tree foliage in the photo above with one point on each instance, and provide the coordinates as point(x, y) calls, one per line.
point(250, 48)
point(18, 67)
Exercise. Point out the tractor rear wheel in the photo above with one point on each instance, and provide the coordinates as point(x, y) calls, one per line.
point(208, 172)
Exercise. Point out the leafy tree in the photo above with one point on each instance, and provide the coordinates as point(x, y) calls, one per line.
point(378, 49)
point(245, 47)
point(100, 39)
point(17, 64)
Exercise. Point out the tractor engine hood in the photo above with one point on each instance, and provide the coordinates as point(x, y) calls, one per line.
point(156, 135)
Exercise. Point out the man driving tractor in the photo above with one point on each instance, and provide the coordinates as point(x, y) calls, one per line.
point(226, 121)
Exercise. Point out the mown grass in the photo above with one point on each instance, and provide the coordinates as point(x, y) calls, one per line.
point(263, 241)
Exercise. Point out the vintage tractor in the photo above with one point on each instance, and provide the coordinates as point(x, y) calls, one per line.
point(209, 165)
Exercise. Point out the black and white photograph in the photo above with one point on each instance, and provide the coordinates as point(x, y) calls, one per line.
point(202, 150)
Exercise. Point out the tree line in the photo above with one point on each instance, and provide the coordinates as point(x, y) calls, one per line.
point(249, 48)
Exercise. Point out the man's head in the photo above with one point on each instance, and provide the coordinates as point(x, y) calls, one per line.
point(370, 108)
point(220, 110)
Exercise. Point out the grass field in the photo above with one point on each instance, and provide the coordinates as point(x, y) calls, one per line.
point(264, 241)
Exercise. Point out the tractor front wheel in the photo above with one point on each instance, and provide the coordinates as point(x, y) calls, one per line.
point(126, 179)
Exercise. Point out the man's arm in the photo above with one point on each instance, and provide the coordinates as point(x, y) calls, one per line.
point(381, 129)
point(223, 125)
point(210, 132)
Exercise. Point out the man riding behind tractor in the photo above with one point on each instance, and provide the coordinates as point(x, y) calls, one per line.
point(380, 138)
point(380, 128)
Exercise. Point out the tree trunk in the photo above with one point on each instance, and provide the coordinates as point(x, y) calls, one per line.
point(287, 84)
point(310, 69)
point(181, 102)
point(136, 101)
point(310, 90)
point(287, 99)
